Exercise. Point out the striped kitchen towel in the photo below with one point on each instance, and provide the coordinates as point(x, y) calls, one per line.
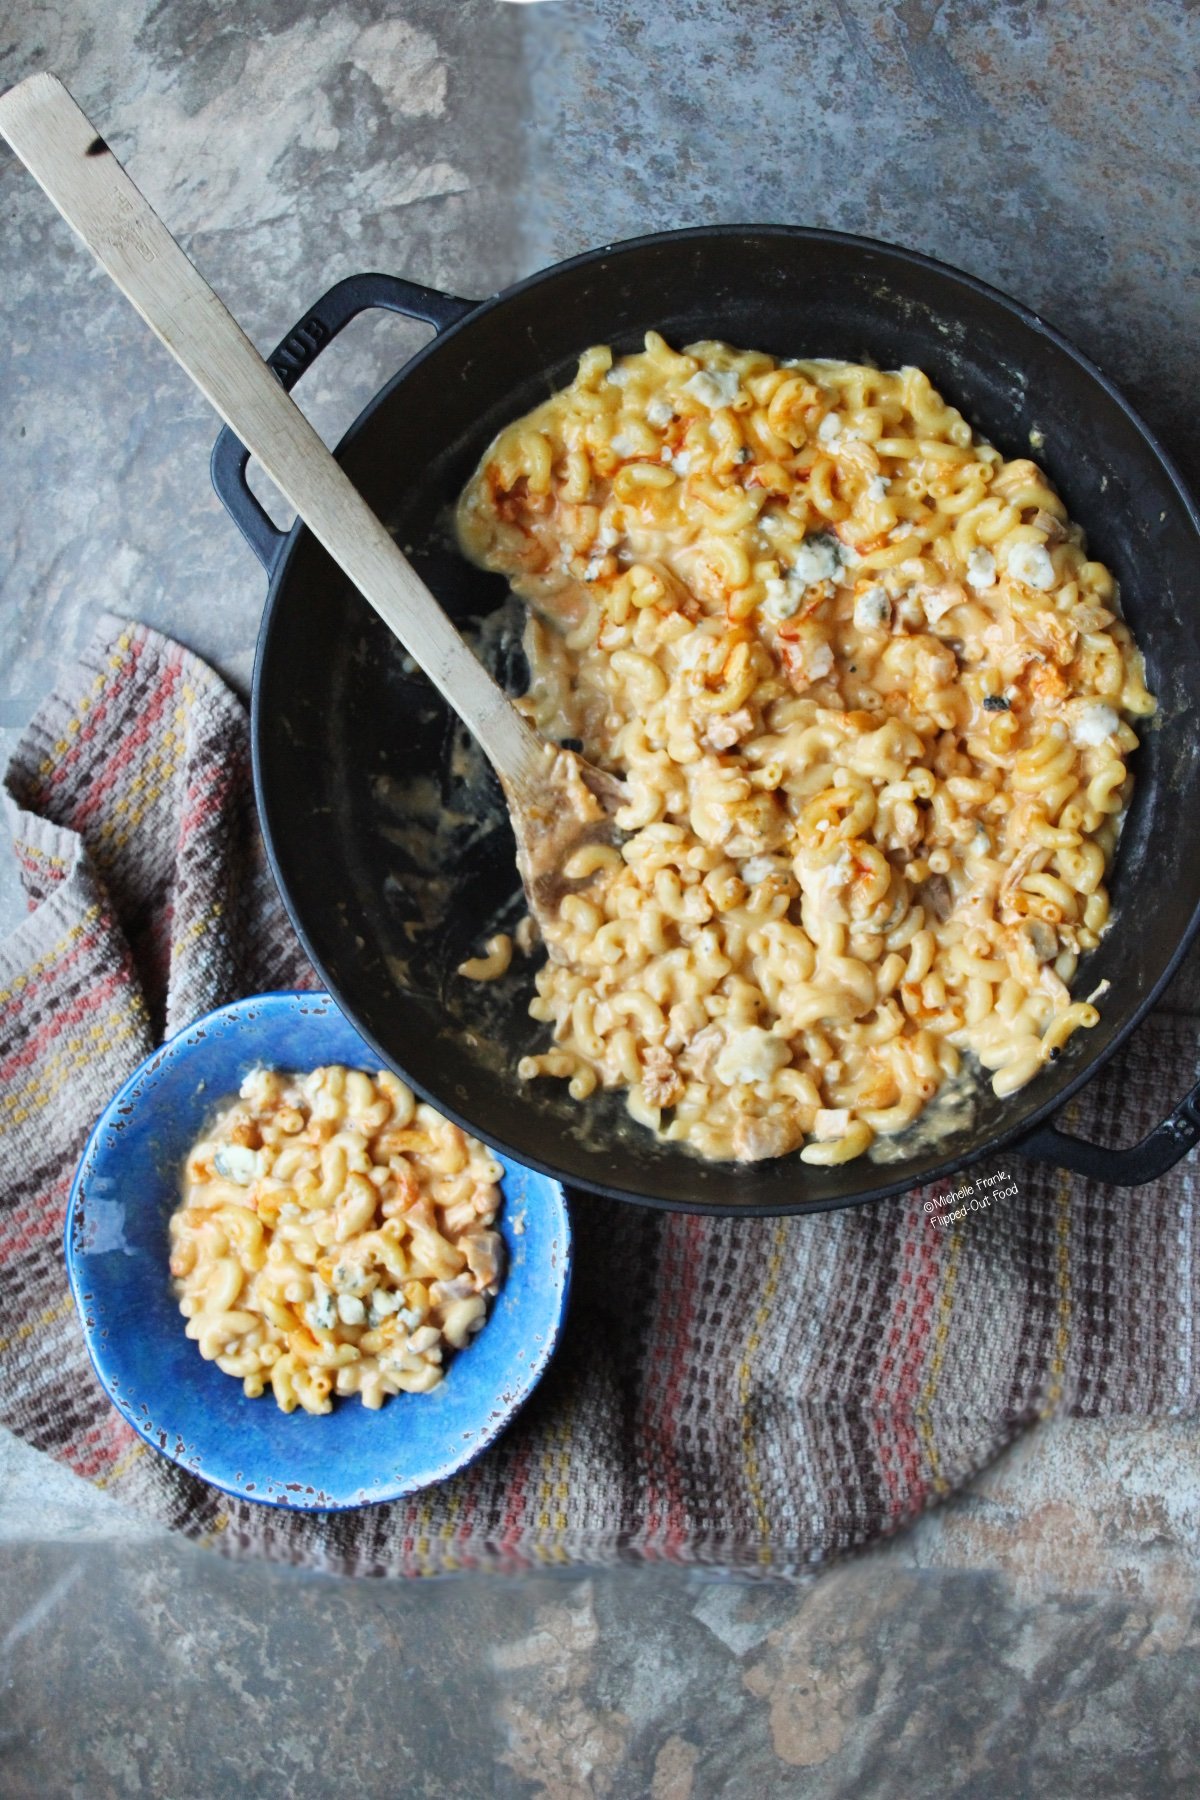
point(753, 1395)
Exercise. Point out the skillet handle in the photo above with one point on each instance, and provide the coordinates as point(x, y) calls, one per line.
point(1159, 1151)
point(296, 353)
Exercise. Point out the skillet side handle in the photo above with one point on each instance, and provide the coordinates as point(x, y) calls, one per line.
point(296, 353)
point(1159, 1151)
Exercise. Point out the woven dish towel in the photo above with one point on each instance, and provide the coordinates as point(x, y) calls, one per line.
point(754, 1395)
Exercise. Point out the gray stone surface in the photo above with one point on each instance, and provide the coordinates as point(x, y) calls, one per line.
point(1036, 1635)
point(286, 150)
point(1050, 150)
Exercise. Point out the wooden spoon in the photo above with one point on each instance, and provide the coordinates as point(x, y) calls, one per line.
point(556, 801)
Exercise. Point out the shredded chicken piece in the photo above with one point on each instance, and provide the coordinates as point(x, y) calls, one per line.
point(661, 1080)
point(702, 1052)
point(1060, 636)
point(483, 1251)
point(1047, 523)
point(729, 729)
point(421, 1214)
point(754, 1140)
point(1092, 618)
point(458, 1287)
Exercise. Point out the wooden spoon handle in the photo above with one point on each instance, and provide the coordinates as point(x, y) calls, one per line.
point(63, 151)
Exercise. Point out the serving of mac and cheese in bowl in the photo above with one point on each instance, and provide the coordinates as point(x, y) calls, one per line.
point(296, 1279)
point(881, 603)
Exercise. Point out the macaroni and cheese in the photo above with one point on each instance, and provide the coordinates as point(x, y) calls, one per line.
point(871, 699)
point(334, 1237)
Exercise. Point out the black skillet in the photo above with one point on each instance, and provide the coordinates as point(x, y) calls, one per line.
point(342, 724)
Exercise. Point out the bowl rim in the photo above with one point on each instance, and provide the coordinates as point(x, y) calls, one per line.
point(170, 1054)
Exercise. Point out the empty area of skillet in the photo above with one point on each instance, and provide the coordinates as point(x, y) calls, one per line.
point(387, 834)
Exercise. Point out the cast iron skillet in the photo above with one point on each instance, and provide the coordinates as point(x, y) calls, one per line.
point(341, 722)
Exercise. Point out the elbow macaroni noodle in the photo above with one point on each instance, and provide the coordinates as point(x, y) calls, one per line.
point(334, 1237)
point(871, 700)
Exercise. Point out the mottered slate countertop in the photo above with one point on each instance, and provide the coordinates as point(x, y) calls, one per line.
point(1036, 1634)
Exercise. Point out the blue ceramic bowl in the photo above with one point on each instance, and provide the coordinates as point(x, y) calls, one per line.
point(116, 1242)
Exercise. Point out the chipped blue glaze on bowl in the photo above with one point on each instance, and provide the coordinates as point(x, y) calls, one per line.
point(116, 1243)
